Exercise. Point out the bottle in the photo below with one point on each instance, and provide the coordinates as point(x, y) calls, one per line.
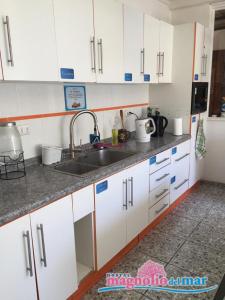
point(114, 136)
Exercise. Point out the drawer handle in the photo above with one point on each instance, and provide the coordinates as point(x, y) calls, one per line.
point(163, 192)
point(180, 185)
point(182, 157)
point(162, 208)
point(164, 176)
point(162, 161)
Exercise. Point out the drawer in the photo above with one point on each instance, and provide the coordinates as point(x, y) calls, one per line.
point(159, 177)
point(181, 168)
point(83, 202)
point(180, 151)
point(177, 188)
point(159, 192)
point(158, 208)
point(159, 161)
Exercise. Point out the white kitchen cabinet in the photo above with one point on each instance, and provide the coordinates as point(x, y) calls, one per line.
point(27, 40)
point(133, 45)
point(108, 20)
point(75, 40)
point(17, 274)
point(54, 250)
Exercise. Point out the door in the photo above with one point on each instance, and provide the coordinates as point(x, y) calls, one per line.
point(151, 49)
point(110, 213)
point(75, 40)
point(138, 193)
point(133, 45)
point(166, 52)
point(108, 20)
point(17, 274)
point(27, 40)
point(54, 250)
point(199, 52)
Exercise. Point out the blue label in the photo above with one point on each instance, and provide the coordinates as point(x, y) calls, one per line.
point(67, 73)
point(174, 150)
point(173, 179)
point(193, 119)
point(196, 76)
point(152, 160)
point(101, 187)
point(128, 77)
point(147, 77)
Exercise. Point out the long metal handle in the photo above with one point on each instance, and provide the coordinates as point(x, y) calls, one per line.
point(203, 65)
point(163, 57)
point(182, 157)
point(158, 63)
point(29, 268)
point(132, 191)
point(162, 161)
point(162, 208)
point(162, 193)
point(126, 194)
point(43, 259)
point(180, 185)
point(7, 26)
point(164, 176)
point(100, 56)
point(206, 60)
point(142, 61)
point(93, 56)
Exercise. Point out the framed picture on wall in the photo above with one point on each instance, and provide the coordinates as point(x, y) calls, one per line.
point(75, 97)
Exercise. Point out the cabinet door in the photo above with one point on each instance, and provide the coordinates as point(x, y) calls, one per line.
point(110, 213)
point(207, 52)
point(166, 52)
point(54, 250)
point(138, 193)
point(27, 40)
point(199, 52)
point(17, 274)
point(133, 45)
point(151, 47)
point(75, 40)
point(108, 20)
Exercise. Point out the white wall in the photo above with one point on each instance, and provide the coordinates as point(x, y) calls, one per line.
point(219, 40)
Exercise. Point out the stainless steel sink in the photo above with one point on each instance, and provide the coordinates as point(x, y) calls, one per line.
point(72, 167)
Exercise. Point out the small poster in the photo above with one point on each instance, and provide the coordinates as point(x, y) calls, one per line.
point(75, 97)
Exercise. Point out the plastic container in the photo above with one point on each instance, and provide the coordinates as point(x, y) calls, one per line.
point(51, 155)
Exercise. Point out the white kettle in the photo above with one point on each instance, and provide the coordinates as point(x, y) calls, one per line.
point(143, 129)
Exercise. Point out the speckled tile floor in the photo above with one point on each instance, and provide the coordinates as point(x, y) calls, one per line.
point(190, 241)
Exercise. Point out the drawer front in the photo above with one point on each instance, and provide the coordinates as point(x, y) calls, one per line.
point(179, 187)
point(83, 202)
point(159, 177)
point(159, 208)
point(159, 161)
point(181, 168)
point(180, 151)
point(160, 192)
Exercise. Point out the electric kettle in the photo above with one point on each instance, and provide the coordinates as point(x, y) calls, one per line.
point(144, 129)
point(161, 123)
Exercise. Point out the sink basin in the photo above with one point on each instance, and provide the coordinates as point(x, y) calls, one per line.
point(104, 157)
point(72, 167)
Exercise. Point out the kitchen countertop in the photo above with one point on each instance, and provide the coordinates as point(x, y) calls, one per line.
point(43, 185)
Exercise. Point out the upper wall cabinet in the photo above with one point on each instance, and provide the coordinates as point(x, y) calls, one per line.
point(27, 40)
point(133, 45)
point(108, 20)
point(75, 40)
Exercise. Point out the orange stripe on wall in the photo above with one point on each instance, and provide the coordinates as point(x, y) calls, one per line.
point(65, 113)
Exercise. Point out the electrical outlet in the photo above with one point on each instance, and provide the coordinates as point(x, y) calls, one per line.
point(24, 130)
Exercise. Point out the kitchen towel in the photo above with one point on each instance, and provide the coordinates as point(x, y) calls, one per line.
point(200, 147)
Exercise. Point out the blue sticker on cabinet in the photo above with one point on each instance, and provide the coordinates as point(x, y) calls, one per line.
point(152, 160)
point(101, 187)
point(67, 73)
point(196, 76)
point(173, 179)
point(128, 77)
point(194, 119)
point(174, 150)
point(147, 77)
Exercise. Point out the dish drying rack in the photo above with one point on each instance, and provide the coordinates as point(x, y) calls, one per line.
point(12, 168)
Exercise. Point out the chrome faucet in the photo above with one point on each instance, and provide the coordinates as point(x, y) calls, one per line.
point(72, 122)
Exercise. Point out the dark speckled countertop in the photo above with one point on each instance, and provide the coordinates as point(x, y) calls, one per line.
point(43, 185)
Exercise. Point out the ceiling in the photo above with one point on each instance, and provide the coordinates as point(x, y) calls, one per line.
point(175, 4)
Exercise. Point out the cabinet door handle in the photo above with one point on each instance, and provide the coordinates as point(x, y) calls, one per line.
point(29, 268)
point(93, 57)
point(100, 56)
point(158, 63)
point(163, 56)
point(162, 208)
point(206, 59)
point(162, 161)
point(203, 65)
point(142, 61)
point(126, 194)
point(43, 258)
point(132, 191)
point(180, 185)
point(6, 24)
point(162, 177)
point(162, 193)
point(182, 157)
